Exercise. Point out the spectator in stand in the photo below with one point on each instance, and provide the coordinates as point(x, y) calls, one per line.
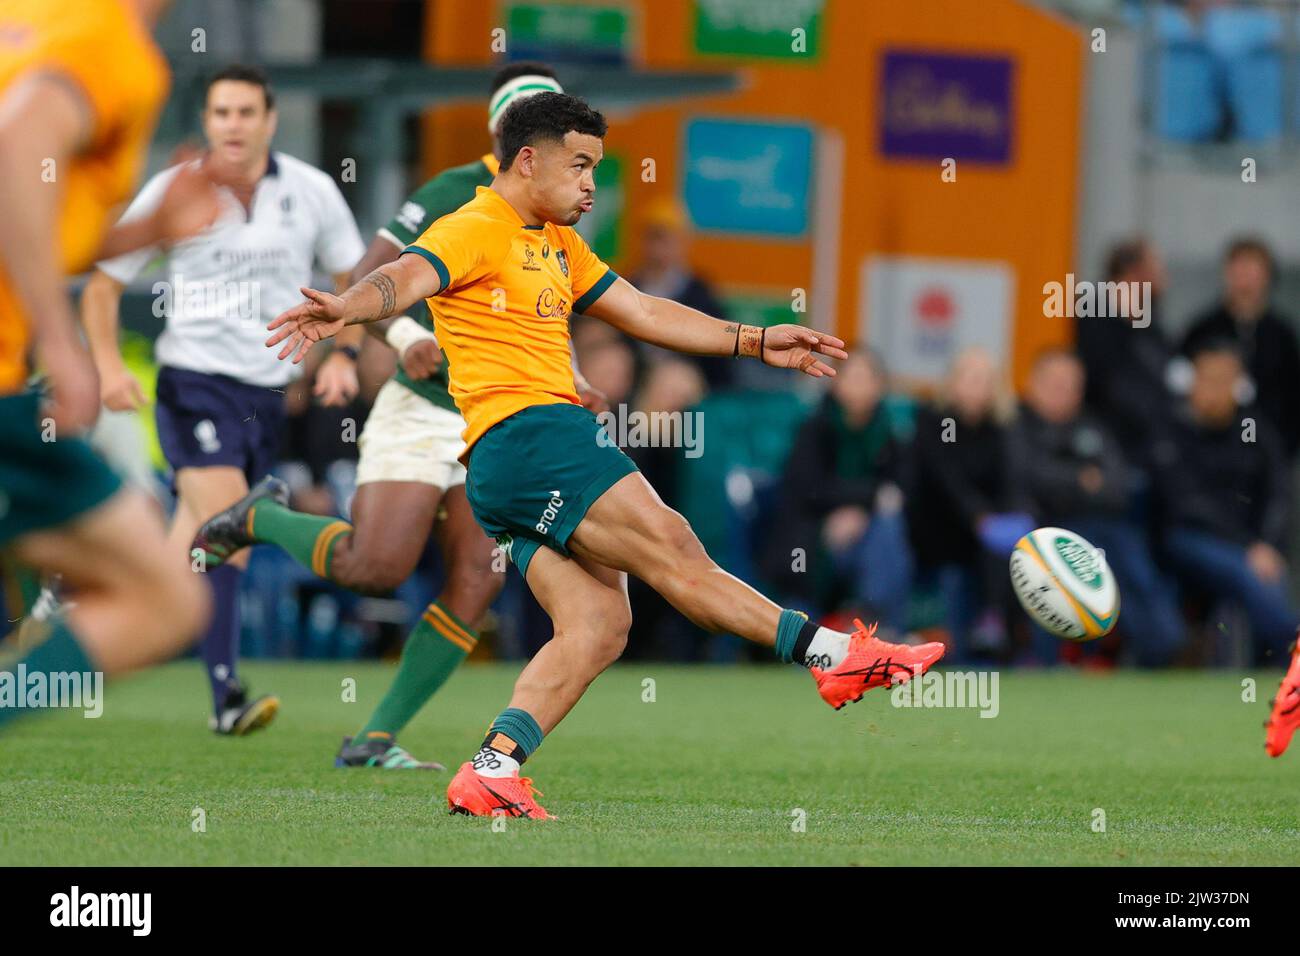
point(666, 272)
point(956, 494)
point(841, 503)
point(658, 630)
point(1126, 365)
point(1066, 469)
point(1262, 335)
point(670, 387)
point(609, 366)
point(1225, 493)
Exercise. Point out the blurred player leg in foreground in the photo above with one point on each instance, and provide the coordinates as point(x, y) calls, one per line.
point(80, 97)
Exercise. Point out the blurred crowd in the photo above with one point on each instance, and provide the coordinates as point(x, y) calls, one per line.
point(1174, 457)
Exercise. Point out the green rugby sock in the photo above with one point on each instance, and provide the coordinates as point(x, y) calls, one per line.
point(514, 733)
point(61, 652)
point(788, 627)
point(308, 539)
point(434, 648)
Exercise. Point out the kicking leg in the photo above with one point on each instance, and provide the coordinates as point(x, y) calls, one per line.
point(630, 528)
point(588, 605)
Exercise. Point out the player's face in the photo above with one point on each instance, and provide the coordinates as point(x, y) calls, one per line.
point(237, 124)
point(563, 181)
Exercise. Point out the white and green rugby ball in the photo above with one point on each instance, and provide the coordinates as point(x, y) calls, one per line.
point(1065, 584)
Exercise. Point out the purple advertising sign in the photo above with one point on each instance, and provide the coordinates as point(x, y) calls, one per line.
point(939, 105)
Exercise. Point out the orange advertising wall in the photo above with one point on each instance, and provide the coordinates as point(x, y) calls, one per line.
point(1017, 214)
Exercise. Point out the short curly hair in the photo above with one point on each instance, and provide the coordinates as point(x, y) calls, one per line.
point(545, 117)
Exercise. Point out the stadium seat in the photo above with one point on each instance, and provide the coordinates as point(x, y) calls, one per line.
point(1186, 103)
point(1232, 31)
point(1255, 93)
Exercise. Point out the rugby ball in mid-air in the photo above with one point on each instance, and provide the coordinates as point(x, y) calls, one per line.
point(1065, 584)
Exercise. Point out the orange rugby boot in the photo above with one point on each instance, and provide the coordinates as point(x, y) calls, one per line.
point(475, 795)
point(1285, 716)
point(873, 663)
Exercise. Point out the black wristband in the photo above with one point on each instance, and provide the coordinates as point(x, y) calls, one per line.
point(351, 351)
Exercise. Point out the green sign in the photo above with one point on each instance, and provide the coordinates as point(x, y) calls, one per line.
point(770, 29)
point(570, 30)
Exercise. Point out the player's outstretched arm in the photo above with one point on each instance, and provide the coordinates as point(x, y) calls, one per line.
point(672, 325)
point(384, 292)
point(416, 347)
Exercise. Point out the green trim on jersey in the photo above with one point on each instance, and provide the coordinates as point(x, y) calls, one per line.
point(443, 194)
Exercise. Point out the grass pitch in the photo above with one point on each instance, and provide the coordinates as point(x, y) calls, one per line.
point(712, 772)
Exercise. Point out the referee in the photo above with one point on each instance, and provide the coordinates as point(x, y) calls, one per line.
point(220, 395)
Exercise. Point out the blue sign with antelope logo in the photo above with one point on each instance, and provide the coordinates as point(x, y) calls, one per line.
point(748, 177)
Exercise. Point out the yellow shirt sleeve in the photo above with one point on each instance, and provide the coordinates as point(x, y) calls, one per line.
point(122, 77)
point(589, 276)
point(458, 247)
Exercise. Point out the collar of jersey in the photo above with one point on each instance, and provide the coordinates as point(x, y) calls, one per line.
point(503, 209)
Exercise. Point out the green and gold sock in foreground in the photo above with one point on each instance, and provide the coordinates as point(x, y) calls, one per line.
point(434, 648)
point(59, 653)
point(308, 539)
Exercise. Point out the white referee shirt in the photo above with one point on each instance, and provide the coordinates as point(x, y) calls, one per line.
point(224, 285)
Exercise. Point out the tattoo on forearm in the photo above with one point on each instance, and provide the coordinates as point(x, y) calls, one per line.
point(387, 293)
point(731, 328)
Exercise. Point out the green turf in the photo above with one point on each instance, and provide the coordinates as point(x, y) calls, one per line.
point(711, 772)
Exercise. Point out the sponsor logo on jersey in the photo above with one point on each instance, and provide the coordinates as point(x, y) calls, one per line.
point(563, 261)
point(550, 304)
